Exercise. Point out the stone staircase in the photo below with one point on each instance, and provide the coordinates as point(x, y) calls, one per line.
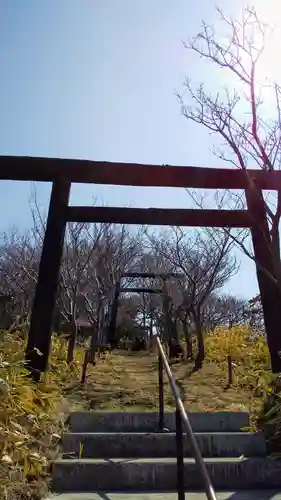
point(124, 452)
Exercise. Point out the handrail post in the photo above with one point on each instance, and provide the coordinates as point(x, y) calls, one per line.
point(209, 490)
point(180, 461)
point(161, 391)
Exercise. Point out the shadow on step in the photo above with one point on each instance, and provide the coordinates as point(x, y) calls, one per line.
point(221, 495)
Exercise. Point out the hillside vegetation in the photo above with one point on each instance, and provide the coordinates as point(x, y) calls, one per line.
point(129, 381)
point(32, 416)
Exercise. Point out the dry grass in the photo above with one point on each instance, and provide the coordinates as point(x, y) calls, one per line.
point(31, 418)
point(129, 382)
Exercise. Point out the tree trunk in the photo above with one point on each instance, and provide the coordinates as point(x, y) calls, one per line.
point(71, 343)
point(200, 345)
point(144, 315)
point(151, 330)
point(167, 322)
point(188, 341)
point(84, 367)
point(269, 291)
point(93, 344)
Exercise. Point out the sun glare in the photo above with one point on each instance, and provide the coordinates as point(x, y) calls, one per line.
point(269, 12)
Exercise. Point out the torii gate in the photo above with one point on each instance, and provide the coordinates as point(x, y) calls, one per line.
point(62, 172)
point(119, 289)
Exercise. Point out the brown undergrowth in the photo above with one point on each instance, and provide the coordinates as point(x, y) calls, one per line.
point(31, 418)
point(32, 415)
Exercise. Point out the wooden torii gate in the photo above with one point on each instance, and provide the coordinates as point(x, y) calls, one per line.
point(119, 289)
point(62, 172)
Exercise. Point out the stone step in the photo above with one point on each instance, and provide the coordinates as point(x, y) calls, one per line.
point(151, 474)
point(148, 421)
point(190, 495)
point(114, 445)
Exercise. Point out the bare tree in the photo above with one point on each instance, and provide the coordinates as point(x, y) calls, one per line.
point(241, 114)
point(116, 252)
point(19, 259)
point(224, 310)
point(205, 264)
point(81, 241)
point(254, 315)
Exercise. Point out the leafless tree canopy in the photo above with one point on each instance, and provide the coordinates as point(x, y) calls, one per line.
point(95, 257)
point(241, 112)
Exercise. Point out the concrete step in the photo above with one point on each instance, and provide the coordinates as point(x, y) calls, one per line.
point(151, 474)
point(114, 445)
point(148, 422)
point(190, 495)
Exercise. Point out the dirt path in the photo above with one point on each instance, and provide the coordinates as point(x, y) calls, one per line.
point(129, 382)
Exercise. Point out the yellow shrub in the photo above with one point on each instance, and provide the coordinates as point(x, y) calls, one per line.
point(237, 342)
point(29, 420)
point(248, 352)
point(223, 342)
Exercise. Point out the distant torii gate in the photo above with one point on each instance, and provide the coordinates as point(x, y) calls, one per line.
point(119, 289)
point(62, 172)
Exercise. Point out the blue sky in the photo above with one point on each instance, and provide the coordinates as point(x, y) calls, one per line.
point(95, 79)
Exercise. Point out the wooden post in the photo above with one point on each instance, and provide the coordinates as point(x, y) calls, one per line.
point(167, 332)
point(229, 371)
point(161, 391)
point(39, 338)
point(144, 313)
point(84, 367)
point(180, 456)
point(112, 327)
point(270, 293)
point(151, 329)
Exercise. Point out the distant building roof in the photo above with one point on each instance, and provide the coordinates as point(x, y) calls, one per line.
point(84, 323)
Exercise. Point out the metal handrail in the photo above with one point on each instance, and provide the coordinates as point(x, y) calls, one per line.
point(209, 490)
